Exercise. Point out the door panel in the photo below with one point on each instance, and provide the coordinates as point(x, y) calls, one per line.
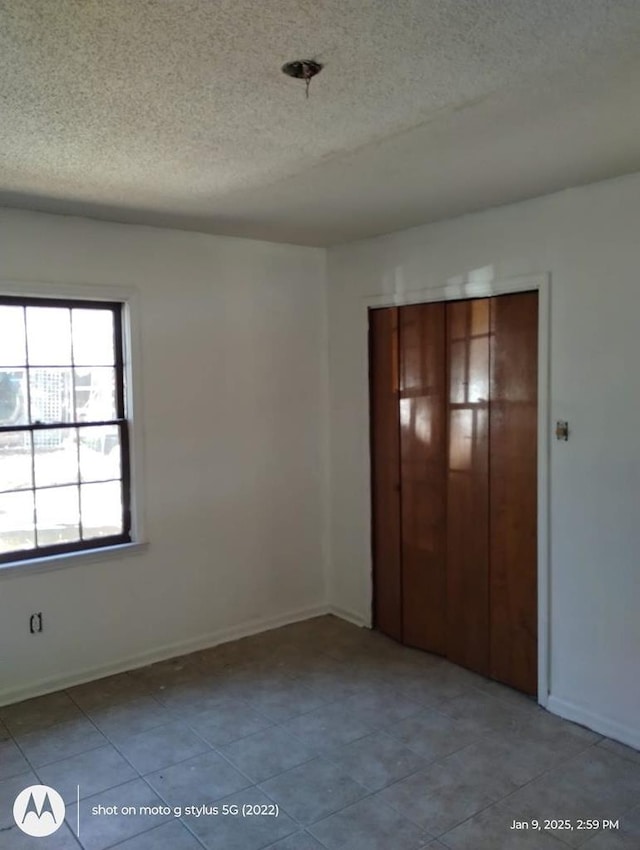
point(468, 484)
point(513, 490)
point(385, 471)
point(422, 480)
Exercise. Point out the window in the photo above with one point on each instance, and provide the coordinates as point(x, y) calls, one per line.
point(64, 445)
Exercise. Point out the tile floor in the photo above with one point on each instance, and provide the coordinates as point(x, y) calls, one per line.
point(361, 743)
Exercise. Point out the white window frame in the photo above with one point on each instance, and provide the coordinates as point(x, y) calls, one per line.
point(128, 297)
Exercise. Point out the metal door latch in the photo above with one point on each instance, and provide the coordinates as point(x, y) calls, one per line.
point(562, 430)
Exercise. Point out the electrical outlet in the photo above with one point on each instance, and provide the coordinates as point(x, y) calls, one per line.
point(35, 623)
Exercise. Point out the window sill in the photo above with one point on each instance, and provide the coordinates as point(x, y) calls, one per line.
point(17, 569)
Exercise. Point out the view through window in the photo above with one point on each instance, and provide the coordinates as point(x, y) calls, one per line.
point(64, 459)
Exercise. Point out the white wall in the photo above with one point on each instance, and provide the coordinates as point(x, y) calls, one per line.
point(233, 337)
point(588, 239)
point(236, 493)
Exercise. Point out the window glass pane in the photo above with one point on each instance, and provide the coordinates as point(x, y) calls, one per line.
point(15, 460)
point(95, 394)
point(99, 453)
point(51, 395)
point(12, 336)
point(49, 336)
point(93, 337)
point(101, 509)
point(55, 456)
point(16, 521)
point(13, 397)
point(57, 515)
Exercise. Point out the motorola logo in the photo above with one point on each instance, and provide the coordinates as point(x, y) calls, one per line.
point(39, 810)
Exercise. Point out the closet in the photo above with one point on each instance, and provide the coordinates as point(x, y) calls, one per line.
point(453, 391)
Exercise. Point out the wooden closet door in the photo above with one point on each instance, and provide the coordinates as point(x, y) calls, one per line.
point(468, 327)
point(422, 480)
point(385, 471)
point(513, 490)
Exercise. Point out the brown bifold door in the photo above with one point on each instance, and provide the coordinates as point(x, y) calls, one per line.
point(453, 392)
point(513, 490)
point(468, 343)
point(422, 480)
point(385, 471)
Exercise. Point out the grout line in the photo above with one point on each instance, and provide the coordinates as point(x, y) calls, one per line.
point(291, 835)
point(526, 784)
point(153, 829)
point(632, 759)
point(296, 675)
point(40, 780)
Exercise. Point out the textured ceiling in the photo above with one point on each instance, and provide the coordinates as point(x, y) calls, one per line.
point(175, 112)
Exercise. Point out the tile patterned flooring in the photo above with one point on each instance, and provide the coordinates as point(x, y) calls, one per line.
point(362, 744)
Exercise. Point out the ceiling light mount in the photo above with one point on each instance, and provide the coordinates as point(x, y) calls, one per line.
point(302, 69)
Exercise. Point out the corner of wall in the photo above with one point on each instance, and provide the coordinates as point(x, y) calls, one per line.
point(327, 538)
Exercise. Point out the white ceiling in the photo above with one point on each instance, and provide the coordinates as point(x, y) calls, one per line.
point(175, 112)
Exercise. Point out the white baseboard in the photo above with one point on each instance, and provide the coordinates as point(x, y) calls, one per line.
point(251, 627)
point(596, 722)
point(349, 616)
